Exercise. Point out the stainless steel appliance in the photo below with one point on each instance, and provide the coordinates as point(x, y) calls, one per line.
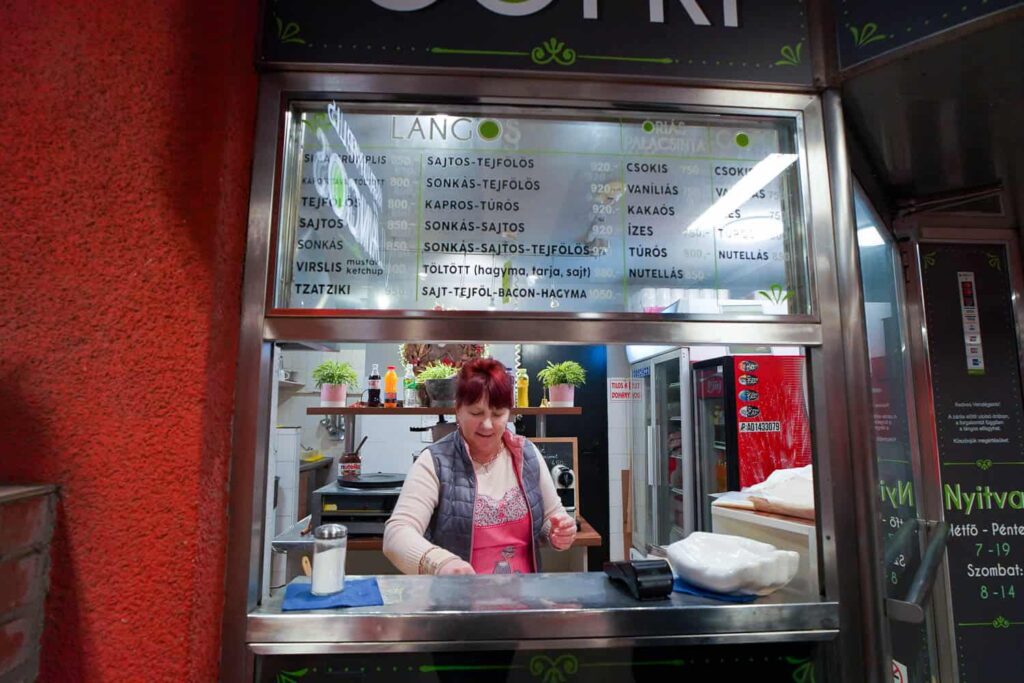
point(363, 508)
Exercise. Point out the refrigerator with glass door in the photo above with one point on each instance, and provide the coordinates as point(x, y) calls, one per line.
point(662, 451)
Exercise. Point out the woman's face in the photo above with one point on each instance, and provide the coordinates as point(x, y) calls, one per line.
point(482, 426)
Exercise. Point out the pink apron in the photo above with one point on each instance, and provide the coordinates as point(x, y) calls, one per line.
point(502, 535)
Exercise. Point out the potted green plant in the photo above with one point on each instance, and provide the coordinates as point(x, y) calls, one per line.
point(334, 378)
point(439, 380)
point(561, 380)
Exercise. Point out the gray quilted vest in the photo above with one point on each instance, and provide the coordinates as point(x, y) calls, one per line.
point(451, 525)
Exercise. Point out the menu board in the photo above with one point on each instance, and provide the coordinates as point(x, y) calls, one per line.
point(419, 208)
point(972, 343)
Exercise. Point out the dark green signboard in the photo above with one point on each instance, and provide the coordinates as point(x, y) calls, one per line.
point(979, 420)
point(870, 28)
point(714, 40)
point(784, 663)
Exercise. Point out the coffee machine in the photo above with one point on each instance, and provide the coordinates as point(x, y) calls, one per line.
point(565, 485)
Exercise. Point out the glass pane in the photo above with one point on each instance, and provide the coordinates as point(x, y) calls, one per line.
point(709, 393)
point(892, 431)
point(643, 512)
point(669, 447)
point(517, 209)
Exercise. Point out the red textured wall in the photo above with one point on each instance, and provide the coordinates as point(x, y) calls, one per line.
point(125, 145)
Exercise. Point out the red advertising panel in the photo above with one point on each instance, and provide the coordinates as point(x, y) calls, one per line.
point(771, 416)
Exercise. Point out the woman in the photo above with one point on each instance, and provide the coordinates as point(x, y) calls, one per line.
point(480, 500)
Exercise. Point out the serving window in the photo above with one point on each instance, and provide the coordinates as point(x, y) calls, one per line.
point(517, 209)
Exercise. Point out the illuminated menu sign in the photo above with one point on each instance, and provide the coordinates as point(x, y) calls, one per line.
point(980, 432)
point(409, 210)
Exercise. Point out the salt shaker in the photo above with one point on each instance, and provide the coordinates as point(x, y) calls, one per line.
point(329, 548)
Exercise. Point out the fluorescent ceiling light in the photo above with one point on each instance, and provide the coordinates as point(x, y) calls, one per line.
point(869, 237)
point(763, 173)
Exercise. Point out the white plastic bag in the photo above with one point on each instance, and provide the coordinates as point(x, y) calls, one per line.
point(732, 564)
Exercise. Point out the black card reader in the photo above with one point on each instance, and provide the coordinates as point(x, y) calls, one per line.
point(645, 579)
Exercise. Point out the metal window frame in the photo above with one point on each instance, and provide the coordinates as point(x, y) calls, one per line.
point(847, 546)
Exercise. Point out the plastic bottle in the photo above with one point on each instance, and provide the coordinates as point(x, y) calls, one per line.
point(391, 388)
point(373, 385)
point(522, 389)
point(409, 398)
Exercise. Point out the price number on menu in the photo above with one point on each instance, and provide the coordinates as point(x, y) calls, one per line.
point(1002, 591)
point(997, 549)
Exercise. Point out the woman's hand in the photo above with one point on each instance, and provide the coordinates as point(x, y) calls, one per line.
point(456, 567)
point(563, 532)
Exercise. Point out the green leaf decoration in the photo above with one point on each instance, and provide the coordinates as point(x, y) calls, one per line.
point(288, 33)
point(928, 260)
point(867, 34)
point(790, 55)
point(994, 261)
point(1000, 622)
point(776, 294)
point(983, 464)
point(804, 671)
point(290, 676)
point(553, 50)
point(554, 671)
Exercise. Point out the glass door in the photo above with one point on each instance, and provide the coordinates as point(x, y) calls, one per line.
point(671, 479)
point(641, 460)
point(711, 439)
point(913, 645)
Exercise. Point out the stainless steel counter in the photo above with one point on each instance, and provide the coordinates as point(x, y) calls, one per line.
point(584, 610)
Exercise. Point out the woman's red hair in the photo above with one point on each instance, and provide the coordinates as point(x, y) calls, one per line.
point(484, 377)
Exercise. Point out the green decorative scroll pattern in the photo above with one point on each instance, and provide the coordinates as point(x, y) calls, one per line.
point(994, 261)
point(554, 671)
point(551, 51)
point(290, 676)
point(997, 623)
point(791, 56)
point(867, 34)
point(288, 33)
point(776, 294)
point(803, 671)
point(983, 464)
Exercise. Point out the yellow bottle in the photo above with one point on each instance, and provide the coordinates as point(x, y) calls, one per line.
point(522, 389)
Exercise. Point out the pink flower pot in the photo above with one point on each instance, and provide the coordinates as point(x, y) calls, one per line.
point(561, 395)
point(333, 395)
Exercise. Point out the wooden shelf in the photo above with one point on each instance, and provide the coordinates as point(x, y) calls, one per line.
point(352, 410)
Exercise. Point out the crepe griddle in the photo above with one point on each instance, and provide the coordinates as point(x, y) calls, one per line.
point(377, 480)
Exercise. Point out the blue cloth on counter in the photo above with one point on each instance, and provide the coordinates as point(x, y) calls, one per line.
point(357, 593)
point(680, 586)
